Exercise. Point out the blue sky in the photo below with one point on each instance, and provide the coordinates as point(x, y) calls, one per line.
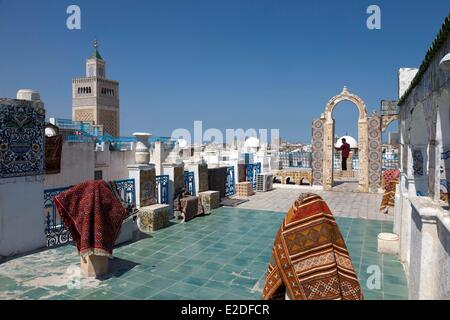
point(233, 64)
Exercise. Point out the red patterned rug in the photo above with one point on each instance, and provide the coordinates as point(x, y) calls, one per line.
point(53, 152)
point(390, 180)
point(310, 260)
point(93, 215)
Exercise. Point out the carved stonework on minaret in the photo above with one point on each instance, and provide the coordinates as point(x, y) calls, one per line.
point(95, 99)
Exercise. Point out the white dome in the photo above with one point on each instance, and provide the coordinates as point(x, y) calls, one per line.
point(350, 140)
point(28, 94)
point(251, 142)
point(182, 143)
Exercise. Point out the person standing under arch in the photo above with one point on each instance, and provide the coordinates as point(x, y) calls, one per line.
point(345, 150)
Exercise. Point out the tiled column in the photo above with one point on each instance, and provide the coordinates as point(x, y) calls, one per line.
point(328, 154)
point(21, 178)
point(363, 148)
point(317, 151)
point(145, 183)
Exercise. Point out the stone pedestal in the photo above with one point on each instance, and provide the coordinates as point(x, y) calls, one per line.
point(94, 266)
point(388, 243)
point(244, 189)
point(210, 200)
point(153, 217)
point(145, 183)
point(190, 208)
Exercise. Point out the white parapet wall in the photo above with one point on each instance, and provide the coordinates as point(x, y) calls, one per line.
point(422, 218)
point(405, 77)
point(79, 161)
point(21, 216)
point(429, 267)
point(22, 227)
point(77, 165)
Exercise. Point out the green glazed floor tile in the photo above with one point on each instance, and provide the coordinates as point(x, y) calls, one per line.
point(100, 295)
point(166, 295)
point(220, 256)
point(35, 294)
point(394, 297)
point(142, 292)
point(159, 283)
point(182, 288)
point(195, 281)
point(120, 286)
point(206, 293)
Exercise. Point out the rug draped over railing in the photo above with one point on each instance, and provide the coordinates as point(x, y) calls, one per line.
point(93, 213)
point(55, 230)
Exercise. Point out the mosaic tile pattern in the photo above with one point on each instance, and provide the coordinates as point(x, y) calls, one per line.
point(445, 155)
point(147, 187)
point(203, 177)
point(317, 151)
point(222, 256)
point(374, 153)
point(21, 138)
point(418, 162)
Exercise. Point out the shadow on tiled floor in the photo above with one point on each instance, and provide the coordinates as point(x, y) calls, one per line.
point(221, 256)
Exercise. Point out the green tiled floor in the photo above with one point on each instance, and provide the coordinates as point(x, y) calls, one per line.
point(221, 256)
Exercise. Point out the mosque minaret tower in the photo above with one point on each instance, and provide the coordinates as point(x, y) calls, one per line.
point(95, 99)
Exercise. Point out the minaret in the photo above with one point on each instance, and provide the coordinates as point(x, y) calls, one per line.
point(95, 99)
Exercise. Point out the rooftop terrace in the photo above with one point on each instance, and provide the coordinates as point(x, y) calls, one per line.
point(220, 256)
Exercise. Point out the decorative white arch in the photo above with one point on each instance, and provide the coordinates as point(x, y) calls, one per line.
point(363, 140)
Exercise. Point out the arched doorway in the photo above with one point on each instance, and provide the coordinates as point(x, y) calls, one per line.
point(345, 116)
point(363, 140)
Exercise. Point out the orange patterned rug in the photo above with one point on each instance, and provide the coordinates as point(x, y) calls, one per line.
point(391, 179)
point(310, 260)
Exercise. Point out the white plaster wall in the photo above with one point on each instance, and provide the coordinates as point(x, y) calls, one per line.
point(114, 164)
point(21, 215)
point(414, 274)
point(159, 155)
point(443, 259)
point(77, 165)
point(430, 247)
point(405, 76)
point(405, 232)
point(424, 224)
point(79, 161)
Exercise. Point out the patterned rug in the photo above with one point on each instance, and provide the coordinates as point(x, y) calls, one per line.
point(93, 215)
point(53, 151)
point(310, 260)
point(390, 180)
